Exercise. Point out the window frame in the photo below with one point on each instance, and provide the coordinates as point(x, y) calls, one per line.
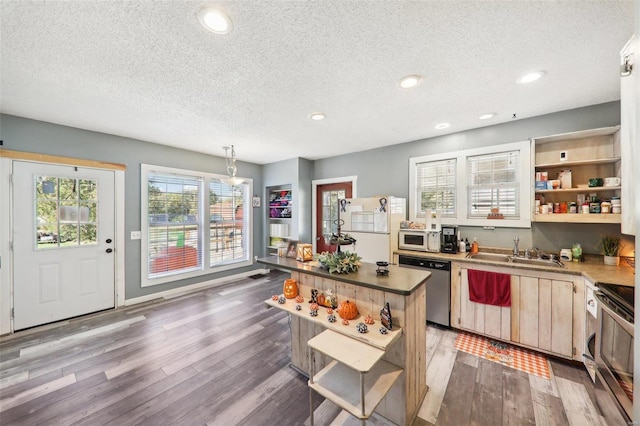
point(461, 203)
point(205, 268)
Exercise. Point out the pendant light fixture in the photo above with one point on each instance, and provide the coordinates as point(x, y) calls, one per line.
point(232, 180)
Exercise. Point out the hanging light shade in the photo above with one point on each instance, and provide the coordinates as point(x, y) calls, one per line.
point(232, 180)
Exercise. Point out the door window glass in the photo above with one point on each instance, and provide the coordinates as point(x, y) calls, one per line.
point(66, 212)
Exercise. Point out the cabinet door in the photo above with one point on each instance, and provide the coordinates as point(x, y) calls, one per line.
point(544, 315)
point(562, 317)
point(493, 321)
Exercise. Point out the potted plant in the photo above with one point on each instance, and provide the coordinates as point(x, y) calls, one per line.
point(340, 262)
point(611, 246)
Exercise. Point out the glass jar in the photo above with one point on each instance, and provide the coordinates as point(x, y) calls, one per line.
point(573, 208)
point(605, 207)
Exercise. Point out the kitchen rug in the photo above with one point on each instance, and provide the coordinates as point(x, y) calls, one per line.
point(503, 353)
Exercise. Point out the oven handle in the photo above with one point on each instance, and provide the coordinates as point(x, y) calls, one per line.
point(603, 304)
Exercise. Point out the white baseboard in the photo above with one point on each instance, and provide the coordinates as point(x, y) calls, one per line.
point(194, 287)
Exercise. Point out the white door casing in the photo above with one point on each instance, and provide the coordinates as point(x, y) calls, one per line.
point(54, 282)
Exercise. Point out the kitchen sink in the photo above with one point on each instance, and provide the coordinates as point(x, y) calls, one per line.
point(495, 257)
point(538, 262)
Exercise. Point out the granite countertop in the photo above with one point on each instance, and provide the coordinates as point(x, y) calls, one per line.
point(593, 268)
point(403, 281)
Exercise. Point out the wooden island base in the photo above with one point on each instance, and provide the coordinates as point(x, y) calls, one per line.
point(405, 347)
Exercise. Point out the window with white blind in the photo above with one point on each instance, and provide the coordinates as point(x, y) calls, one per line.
point(436, 187)
point(192, 224)
point(464, 186)
point(492, 183)
point(229, 208)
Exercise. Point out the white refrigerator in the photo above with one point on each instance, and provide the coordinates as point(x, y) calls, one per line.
point(374, 223)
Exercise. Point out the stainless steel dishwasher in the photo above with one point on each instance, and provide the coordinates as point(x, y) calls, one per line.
point(438, 286)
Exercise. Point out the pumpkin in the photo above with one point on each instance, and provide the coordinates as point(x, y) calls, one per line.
point(321, 299)
point(329, 311)
point(290, 288)
point(313, 307)
point(348, 310)
point(345, 322)
point(369, 320)
point(299, 299)
point(274, 297)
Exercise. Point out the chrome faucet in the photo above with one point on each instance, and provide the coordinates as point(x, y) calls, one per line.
point(516, 251)
point(528, 252)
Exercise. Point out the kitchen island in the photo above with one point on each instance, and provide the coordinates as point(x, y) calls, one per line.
point(405, 346)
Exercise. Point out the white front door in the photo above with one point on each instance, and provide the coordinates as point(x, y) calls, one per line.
point(63, 240)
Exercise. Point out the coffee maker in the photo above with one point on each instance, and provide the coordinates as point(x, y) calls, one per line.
point(449, 239)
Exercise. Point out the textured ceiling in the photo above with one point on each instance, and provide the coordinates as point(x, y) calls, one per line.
point(148, 70)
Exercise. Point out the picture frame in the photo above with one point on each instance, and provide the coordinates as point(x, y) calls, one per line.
point(292, 249)
point(255, 201)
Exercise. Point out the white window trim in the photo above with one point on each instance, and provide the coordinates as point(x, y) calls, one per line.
point(525, 187)
point(206, 268)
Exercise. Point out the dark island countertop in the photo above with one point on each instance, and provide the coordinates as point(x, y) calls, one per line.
point(403, 281)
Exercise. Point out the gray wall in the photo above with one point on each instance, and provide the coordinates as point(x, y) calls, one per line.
point(22, 134)
point(386, 171)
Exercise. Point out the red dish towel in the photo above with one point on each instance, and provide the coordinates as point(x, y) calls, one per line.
point(490, 288)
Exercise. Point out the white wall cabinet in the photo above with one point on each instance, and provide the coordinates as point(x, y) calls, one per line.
point(629, 111)
point(546, 313)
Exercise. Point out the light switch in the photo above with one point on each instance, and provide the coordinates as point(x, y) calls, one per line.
point(136, 235)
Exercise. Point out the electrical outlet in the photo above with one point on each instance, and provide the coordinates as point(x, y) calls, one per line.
point(136, 235)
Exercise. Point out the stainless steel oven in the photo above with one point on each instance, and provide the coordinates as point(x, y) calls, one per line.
point(614, 353)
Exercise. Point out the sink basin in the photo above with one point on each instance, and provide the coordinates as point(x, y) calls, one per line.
point(539, 262)
point(495, 257)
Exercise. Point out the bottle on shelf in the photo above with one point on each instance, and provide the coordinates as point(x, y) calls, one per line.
point(467, 245)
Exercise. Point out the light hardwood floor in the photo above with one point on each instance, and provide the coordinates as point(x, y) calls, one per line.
point(219, 357)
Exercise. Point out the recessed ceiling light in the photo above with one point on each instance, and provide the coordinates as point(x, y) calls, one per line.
point(442, 126)
point(530, 77)
point(410, 81)
point(215, 20)
point(487, 116)
point(317, 116)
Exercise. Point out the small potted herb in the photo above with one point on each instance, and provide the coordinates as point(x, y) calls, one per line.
point(611, 246)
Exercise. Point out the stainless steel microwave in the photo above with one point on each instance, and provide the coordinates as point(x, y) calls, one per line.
point(419, 240)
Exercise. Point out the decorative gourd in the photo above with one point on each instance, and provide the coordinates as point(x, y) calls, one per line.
point(329, 311)
point(369, 320)
point(282, 300)
point(348, 310)
point(290, 288)
point(321, 299)
point(361, 327)
point(313, 307)
point(299, 299)
point(345, 322)
point(274, 297)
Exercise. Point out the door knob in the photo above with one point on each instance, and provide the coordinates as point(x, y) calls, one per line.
point(108, 241)
point(109, 250)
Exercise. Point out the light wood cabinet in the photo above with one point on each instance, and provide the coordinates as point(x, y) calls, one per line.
point(546, 313)
point(588, 154)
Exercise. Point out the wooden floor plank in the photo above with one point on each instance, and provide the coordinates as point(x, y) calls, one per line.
point(517, 404)
point(456, 404)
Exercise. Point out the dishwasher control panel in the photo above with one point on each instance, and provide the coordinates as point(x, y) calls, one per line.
point(421, 262)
